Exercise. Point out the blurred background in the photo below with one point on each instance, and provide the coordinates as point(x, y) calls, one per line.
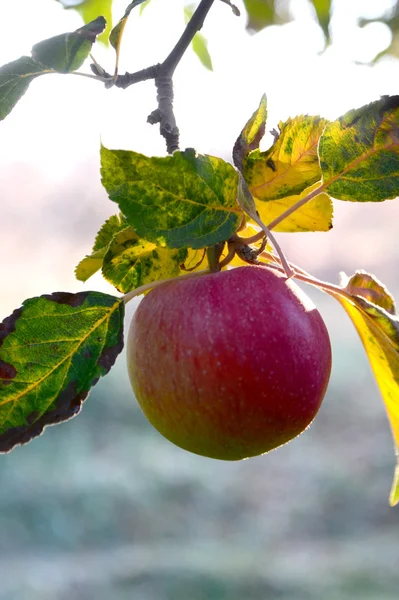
point(102, 506)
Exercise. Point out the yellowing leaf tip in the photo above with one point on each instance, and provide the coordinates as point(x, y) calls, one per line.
point(394, 496)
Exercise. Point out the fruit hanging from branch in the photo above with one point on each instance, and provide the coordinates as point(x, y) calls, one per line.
point(230, 364)
point(225, 363)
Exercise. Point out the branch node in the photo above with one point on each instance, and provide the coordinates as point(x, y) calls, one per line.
point(164, 115)
point(154, 117)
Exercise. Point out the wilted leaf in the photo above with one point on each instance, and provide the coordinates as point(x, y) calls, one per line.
point(359, 153)
point(131, 262)
point(378, 329)
point(250, 137)
point(315, 215)
point(52, 351)
point(93, 263)
point(184, 200)
point(15, 78)
point(290, 165)
point(367, 287)
point(67, 52)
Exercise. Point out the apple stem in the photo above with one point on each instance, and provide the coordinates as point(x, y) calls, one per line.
point(229, 256)
point(149, 286)
point(213, 254)
point(288, 271)
point(246, 201)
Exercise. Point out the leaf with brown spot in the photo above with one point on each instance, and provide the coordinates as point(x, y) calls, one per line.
point(359, 153)
point(52, 351)
point(290, 165)
point(92, 263)
point(186, 200)
point(250, 137)
point(131, 262)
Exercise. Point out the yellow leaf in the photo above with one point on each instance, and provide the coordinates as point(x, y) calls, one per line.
point(131, 262)
point(315, 215)
point(291, 164)
point(251, 135)
point(195, 261)
point(379, 332)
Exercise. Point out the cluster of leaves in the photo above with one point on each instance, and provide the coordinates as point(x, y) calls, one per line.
point(63, 53)
point(171, 211)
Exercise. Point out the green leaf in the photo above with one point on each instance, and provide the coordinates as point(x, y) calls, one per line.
point(323, 12)
point(144, 6)
point(183, 200)
point(359, 153)
point(90, 10)
point(52, 351)
point(199, 43)
point(131, 262)
point(250, 137)
point(200, 47)
point(89, 265)
point(315, 215)
point(67, 52)
point(93, 263)
point(116, 34)
point(372, 311)
point(261, 13)
point(290, 165)
point(15, 78)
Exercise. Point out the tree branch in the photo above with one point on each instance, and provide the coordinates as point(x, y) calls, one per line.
point(162, 74)
point(193, 26)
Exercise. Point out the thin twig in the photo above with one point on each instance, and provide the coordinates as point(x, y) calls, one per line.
point(193, 26)
point(162, 74)
point(306, 277)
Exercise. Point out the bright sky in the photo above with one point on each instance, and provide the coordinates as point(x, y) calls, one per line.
point(61, 118)
point(54, 132)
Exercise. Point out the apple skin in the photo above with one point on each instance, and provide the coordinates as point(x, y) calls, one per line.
point(231, 364)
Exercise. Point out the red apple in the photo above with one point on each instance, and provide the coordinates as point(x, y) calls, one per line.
point(231, 364)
